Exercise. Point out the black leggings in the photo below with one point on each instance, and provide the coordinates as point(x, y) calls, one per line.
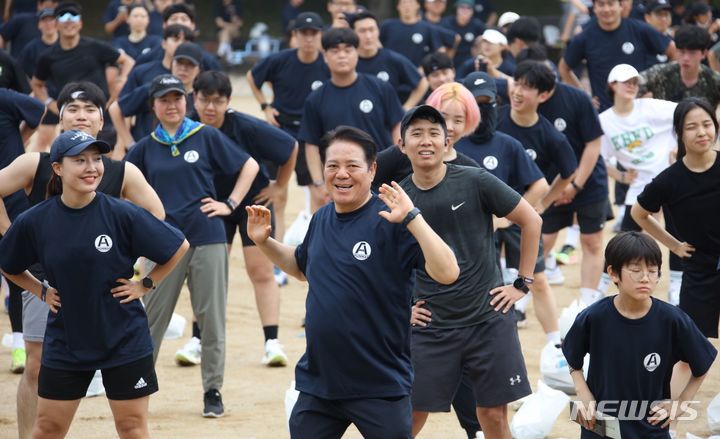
point(15, 307)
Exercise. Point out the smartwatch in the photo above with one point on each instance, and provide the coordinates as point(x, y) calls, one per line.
point(148, 283)
point(410, 216)
point(521, 284)
point(264, 106)
point(231, 204)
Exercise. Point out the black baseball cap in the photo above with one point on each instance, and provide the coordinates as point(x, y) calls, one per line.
point(436, 61)
point(481, 84)
point(189, 51)
point(45, 12)
point(308, 20)
point(339, 35)
point(657, 5)
point(425, 112)
point(73, 142)
point(68, 8)
point(164, 84)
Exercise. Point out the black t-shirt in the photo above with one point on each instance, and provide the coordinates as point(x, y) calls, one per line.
point(28, 60)
point(412, 40)
point(692, 199)
point(85, 62)
point(19, 31)
point(12, 75)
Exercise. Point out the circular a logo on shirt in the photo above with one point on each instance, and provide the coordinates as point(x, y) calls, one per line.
point(103, 243)
point(531, 152)
point(490, 162)
point(651, 361)
point(628, 48)
point(315, 85)
point(191, 156)
point(384, 76)
point(366, 106)
point(560, 124)
point(662, 58)
point(362, 250)
point(469, 37)
point(417, 38)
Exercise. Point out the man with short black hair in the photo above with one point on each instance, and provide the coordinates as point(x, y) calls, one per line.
point(438, 69)
point(22, 28)
point(523, 33)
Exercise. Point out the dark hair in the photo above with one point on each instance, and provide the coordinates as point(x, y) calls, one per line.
point(535, 75)
point(436, 61)
point(211, 82)
point(526, 29)
point(177, 8)
point(594, 1)
point(54, 186)
point(339, 35)
point(428, 117)
point(629, 247)
point(695, 9)
point(349, 134)
point(534, 52)
point(683, 108)
point(175, 30)
point(691, 37)
point(83, 90)
point(362, 15)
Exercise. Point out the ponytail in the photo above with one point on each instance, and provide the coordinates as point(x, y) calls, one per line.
point(54, 186)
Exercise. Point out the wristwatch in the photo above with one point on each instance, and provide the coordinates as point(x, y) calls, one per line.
point(410, 216)
point(521, 283)
point(231, 204)
point(44, 289)
point(148, 283)
point(264, 106)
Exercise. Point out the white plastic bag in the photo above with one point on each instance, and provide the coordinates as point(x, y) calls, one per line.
point(713, 415)
point(554, 369)
point(291, 396)
point(295, 234)
point(536, 417)
point(567, 316)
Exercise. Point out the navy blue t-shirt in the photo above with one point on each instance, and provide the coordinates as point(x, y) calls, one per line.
point(182, 181)
point(28, 59)
point(292, 80)
point(19, 31)
point(83, 252)
point(445, 36)
point(368, 104)
point(137, 103)
point(483, 9)
point(631, 43)
point(392, 68)
point(473, 29)
point(156, 24)
point(111, 12)
point(505, 158)
point(507, 66)
point(209, 62)
point(412, 40)
point(549, 149)
point(636, 368)
point(134, 50)
point(360, 271)
point(143, 74)
point(571, 112)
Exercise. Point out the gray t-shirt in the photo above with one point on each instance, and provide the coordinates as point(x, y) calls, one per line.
point(460, 210)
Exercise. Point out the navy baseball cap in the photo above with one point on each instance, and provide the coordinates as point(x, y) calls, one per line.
point(189, 51)
point(657, 5)
point(45, 12)
point(73, 142)
point(421, 112)
point(164, 84)
point(71, 8)
point(481, 84)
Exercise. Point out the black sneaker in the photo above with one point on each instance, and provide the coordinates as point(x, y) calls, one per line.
point(213, 404)
point(521, 319)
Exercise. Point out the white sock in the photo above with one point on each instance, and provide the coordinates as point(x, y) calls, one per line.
point(590, 295)
point(604, 284)
point(521, 305)
point(18, 341)
point(307, 200)
point(550, 262)
point(503, 263)
point(572, 236)
point(620, 214)
point(553, 337)
point(675, 284)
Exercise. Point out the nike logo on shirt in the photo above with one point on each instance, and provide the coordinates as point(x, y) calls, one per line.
point(453, 207)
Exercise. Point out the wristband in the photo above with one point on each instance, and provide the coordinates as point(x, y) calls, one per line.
point(44, 289)
point(48, 101)
point(410, 216)
point(231, 204)
point(577, 188)
point(264, 106)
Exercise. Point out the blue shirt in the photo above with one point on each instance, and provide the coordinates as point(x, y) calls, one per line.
point(483, 9)
point(368, 104)
point(83, 252)
point(412, 40)
point(359, 269)
point(143, 74)
point(209, 62)
point(392, 68)
point(292, 80)
point(137, 103)
point(507, 66)
point(156, 24)
point(473, 29)
point(182, 181)
point(111, 12)
point(134, 50)
point(631, 43)
point(445, 35)
point(636, 368)
point(548, 148)
point(28, 58)
point(20, 30)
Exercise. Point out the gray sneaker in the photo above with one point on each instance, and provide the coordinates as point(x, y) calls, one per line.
point(213, 404)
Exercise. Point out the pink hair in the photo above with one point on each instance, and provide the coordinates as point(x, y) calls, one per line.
point(457, 92)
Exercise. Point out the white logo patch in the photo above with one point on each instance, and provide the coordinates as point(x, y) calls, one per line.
point(628, 48)
point(191, 156)
point(469, 37)
point(651, 361)
point(81, 136)
point(531, 152)
point(560, 124)
point(490, 162)
point(366, 106)
point(417, 38)
point(515, 380)
point(661, 57)
point(140, 384)
point(315, 85)
point(145, 50)
point(384, 76)
point(103, 243)
point(362, 250)
point(454, 207)
point(479, 81)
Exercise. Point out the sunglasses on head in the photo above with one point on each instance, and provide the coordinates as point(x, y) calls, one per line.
point(68, 16)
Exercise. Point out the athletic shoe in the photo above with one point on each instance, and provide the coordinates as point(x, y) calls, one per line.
point(555, 276)
point(521, 319)
point(566, 255)
point(617, 227)
point(280, 277)
point(96, 387)
point(274, 355)
point(213, 404)
point(17, 363)
point(190, 354)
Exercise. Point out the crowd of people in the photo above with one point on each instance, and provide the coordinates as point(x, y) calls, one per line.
point(442, 153)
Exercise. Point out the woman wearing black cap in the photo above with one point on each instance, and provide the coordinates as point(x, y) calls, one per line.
point(91, 294)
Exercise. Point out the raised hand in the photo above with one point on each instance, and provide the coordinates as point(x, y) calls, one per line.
point(397, 201)
point(258, 226)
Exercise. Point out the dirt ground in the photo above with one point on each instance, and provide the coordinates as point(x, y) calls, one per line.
point(254, 394)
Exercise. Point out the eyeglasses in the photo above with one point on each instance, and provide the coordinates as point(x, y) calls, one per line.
point(639, 275)
point(68, 16)
point(216, 102)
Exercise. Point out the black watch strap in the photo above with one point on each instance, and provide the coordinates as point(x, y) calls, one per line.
point(264, 106)
point(519, 284)
point(410, 216)
point(231, 204)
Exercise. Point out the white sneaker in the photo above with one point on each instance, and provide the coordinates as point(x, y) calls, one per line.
point(189, 355)
point(274, 355)
point(555, 276)
point(96, 387)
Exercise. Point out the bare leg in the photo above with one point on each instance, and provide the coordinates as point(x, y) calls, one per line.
point(267, 293)
point(53, 418)
point(544, 303)
point(418, 421)
point(591, 266)
point(131, 417)
point(494, 422)
point(27, 390)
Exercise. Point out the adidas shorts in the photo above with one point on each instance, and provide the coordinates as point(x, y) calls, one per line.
point(127, 381)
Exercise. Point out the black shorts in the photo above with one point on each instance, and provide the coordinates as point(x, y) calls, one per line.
point(488, 353)
point(375, 418)
point(699, 298)
point(128, 381)
point(510, 239)
point(591, 217)
point(628, 223)
point(291, 125)
point(238, 221)
point(50, 118)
